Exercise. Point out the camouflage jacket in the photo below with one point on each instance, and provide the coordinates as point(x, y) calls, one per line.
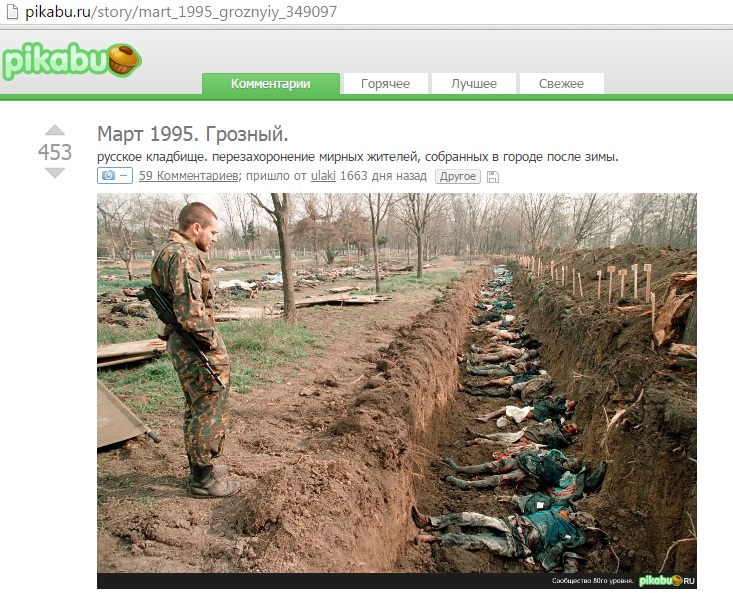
point(181, 275)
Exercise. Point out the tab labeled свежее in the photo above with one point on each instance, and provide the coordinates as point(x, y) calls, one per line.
point(551, 83)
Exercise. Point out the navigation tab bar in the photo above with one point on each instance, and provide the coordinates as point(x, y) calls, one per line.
point(550, 83)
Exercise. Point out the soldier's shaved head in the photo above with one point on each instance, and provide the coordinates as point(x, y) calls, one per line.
point(196, 212)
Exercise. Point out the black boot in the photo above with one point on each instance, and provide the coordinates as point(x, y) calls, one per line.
point(204, 484)
point(219, 471)
point(594, 481)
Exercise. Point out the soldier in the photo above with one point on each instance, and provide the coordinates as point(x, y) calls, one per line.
point(181, 275)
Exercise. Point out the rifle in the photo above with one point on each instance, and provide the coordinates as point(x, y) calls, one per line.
point(165, 312)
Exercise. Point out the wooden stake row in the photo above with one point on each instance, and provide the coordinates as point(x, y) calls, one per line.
point(560, 274)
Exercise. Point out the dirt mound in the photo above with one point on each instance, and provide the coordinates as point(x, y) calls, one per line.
point(605, 360)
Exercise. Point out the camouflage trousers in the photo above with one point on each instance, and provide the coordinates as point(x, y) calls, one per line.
point(499, 540)
point(205, 415)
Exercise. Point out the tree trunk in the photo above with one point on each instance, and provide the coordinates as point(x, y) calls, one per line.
point(377, 279)
point(419, 255)
point(282, 220)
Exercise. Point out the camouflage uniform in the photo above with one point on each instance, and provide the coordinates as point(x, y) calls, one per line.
point(182, 276)
point(548, 535)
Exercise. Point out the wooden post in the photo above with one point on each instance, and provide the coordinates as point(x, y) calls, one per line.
point(552, 269)
point(573, 281)
point(611, 270)
point(533, 263)
point(600, 274)
point(648, 270)
point(623, 273)
point(635, 269)
point(654, 314)
point(539, 267)
point(580, 285)
point(563, 276)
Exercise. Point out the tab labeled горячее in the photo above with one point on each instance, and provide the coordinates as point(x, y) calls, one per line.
point(385, 84)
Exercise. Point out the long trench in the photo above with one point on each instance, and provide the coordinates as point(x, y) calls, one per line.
point(417, 416)
point(438, 418)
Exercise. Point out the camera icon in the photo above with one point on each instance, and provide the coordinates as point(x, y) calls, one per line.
point(114, 175)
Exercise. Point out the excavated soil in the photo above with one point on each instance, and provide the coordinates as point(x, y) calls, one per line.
point(331, 460)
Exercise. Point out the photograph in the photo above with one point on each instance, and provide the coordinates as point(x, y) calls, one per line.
point(397, 383)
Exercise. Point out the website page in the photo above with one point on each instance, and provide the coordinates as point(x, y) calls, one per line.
point(388, 294)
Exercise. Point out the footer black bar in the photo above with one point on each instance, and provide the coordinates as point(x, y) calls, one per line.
point(395, 581)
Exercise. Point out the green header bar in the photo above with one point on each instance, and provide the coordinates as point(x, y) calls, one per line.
point(327, 87)
point(271, 87)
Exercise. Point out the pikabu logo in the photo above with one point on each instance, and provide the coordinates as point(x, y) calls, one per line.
point(661, 580)
point(120, 60)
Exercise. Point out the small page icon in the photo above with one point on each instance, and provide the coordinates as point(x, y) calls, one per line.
point(12, 12)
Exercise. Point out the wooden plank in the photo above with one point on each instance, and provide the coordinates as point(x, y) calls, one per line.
point(115, 421)
point(683, 279)
point(235, 313)
point(683, 350)
point(635, 308)
point(673, 308)
point(110, 362)
point(340, 300)
point(683, 361)
point(139, 348)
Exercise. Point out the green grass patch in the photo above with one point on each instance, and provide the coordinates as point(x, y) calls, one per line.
point(149, 388)
point(259, 350)
point(104, 285)
point(431, 280)
point(111, 270)
point(118, 334)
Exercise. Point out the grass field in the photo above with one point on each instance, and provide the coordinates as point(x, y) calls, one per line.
point(260, 351)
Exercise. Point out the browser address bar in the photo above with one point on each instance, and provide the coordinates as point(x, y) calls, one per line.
point(339, 13)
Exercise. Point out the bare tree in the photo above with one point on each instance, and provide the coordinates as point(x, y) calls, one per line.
point(164, 215)
point(379, 206)
point(475, 219)
point(459, 215)
point(116, 215)
point(316, 226)
point(238, 220)
point(351, 225)
point(589, 215)
point(417, 210)
point(497, 228)
point(228, 201)
point(538, 212)
point(280, 215)
point(636, 210)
